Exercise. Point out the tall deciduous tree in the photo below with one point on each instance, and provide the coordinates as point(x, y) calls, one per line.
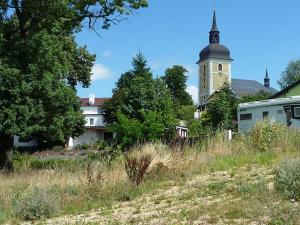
point(290, 75)
point(222, 108)
point(139, 100)
point(41, 64)
point(176, 79)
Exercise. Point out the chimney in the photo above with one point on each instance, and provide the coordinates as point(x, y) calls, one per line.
point(92, 99)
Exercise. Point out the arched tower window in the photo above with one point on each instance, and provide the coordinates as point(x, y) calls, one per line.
point(220, 67)
point(204, 69)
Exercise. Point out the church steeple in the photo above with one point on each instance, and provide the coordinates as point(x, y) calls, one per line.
point(267, 80)
point(214, 34)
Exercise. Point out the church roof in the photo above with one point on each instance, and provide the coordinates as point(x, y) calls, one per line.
point(214, 50)
point(241, 87)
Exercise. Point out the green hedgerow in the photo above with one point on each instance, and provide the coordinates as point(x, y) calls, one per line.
point(36, 204)
point(287, 179)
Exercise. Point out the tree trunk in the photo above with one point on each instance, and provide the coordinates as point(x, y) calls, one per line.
point(6, 152)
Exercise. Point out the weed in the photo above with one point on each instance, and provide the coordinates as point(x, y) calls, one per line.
point(36, 204)
point(287, 179)
point(136, 168)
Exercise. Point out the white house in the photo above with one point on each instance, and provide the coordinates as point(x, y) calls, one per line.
point(95, 127)
point(280, 110)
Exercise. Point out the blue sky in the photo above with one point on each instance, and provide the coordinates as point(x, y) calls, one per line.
point(258, 33)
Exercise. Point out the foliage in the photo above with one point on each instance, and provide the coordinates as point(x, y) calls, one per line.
point(287, 179)
point(141, 107)
point(221, 110)
point(136, 168)
point(41, 65)
point(263, 135)
point(175, 79)
point(261, 95)
point(130, 131)
point(36, 204)
point(290, 75)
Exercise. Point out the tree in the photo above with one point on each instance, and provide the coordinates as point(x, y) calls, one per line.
point(261, 95)
point(175, 79)
point(290, 75)
point(141, 101)
point(41, 65)
point(222, 108)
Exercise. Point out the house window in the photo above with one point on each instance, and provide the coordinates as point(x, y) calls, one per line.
point(246, 116)
point(265, 114)
point(220, 67)
point(92, 121)
point(297, 112)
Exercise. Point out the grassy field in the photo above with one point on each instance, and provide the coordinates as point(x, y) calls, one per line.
point(214, 182)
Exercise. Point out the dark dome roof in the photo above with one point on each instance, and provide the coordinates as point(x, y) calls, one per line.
point(216, 51)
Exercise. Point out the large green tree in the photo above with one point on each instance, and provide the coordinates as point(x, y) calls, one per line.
point(141, 101)
point(176, 79)
point(41, 64)
point(290, 75)
point(221, 111)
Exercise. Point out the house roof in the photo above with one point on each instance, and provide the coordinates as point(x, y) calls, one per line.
point(285, 90)
point(98, 101)
point(248, 87)
point(269, 102)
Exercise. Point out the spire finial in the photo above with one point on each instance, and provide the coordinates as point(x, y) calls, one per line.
point(214, 34)
point(267, 79)
point(214, 23)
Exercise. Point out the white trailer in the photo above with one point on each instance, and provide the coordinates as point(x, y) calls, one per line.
point(280, 110)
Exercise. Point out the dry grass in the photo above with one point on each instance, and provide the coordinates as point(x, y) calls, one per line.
point(175, 181)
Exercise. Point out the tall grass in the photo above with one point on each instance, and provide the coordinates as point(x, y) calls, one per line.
point(68, 180)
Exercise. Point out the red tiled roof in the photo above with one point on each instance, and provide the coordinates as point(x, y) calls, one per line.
point(98, 101)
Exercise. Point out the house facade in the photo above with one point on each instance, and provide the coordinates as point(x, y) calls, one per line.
point(291, 90)
point(95, 127)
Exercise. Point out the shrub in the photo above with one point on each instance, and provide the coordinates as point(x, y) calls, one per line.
point(100, 145)
point(136, 168)
point(287, 179)
point(58, 148)
point(36, 204)
point(264, 135)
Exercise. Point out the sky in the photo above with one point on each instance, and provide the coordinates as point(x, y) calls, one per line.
point(259, 33)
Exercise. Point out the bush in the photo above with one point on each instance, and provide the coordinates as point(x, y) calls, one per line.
point(36, 204)
point(264, 135)
point(287, 179)
point(136, 168)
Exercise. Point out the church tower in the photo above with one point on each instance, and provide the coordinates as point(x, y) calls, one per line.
point(214, 65)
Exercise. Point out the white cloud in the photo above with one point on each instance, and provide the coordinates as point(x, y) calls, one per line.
point(193, 91)
point(155, 65)
point(107, 54)
point(100, 72)
point(192, 69)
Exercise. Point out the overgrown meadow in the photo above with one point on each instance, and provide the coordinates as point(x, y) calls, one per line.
point(255, 179)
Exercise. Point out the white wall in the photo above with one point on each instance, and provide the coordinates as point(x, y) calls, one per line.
point(98, 120)
point(257, 115)
point(89, 109)
point(88, 137)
